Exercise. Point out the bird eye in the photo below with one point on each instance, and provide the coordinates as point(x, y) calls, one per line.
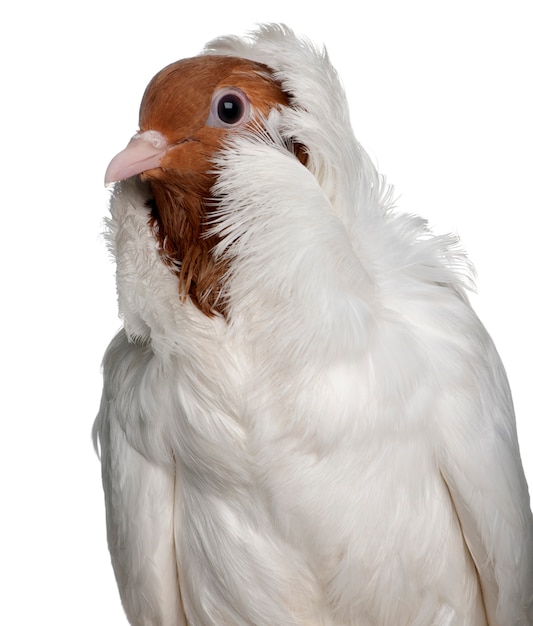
point(229, 107)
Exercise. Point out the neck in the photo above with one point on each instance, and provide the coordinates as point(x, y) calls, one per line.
point(178, 218)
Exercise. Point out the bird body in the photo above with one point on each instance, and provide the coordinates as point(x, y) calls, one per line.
point(303, 421)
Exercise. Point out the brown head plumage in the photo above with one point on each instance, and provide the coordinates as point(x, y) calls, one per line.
point(187, 111)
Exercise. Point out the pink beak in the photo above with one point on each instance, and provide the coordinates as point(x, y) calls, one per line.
point(144, 152)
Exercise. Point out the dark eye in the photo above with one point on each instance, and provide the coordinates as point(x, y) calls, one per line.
point(229, 107)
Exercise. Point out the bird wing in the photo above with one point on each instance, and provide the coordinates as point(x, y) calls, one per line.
point(480, 462)
point(139, 495)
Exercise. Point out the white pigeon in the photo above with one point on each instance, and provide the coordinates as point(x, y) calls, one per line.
point(303, 421)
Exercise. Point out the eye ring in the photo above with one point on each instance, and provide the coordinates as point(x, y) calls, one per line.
point(230, 108)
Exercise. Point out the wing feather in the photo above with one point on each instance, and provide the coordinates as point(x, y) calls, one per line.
point(483, 471)
point(140, 498)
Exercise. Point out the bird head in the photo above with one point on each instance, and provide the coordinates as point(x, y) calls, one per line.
point(187, 113)
point(234, 147)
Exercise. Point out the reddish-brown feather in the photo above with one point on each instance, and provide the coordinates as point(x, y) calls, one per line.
point(176, 103)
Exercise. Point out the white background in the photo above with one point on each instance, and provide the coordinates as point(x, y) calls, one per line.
point(441, 97)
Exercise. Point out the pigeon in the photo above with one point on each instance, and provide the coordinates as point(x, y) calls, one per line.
point(303, 421)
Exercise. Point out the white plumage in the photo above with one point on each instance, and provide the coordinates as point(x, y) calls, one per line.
point(338, 445)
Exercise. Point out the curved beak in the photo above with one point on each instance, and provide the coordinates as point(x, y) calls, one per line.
point(144, 152)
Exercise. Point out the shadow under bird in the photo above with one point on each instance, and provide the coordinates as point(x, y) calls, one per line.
point(303, 421)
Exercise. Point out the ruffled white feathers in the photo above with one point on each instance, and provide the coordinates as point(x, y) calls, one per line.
point(341, 448)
